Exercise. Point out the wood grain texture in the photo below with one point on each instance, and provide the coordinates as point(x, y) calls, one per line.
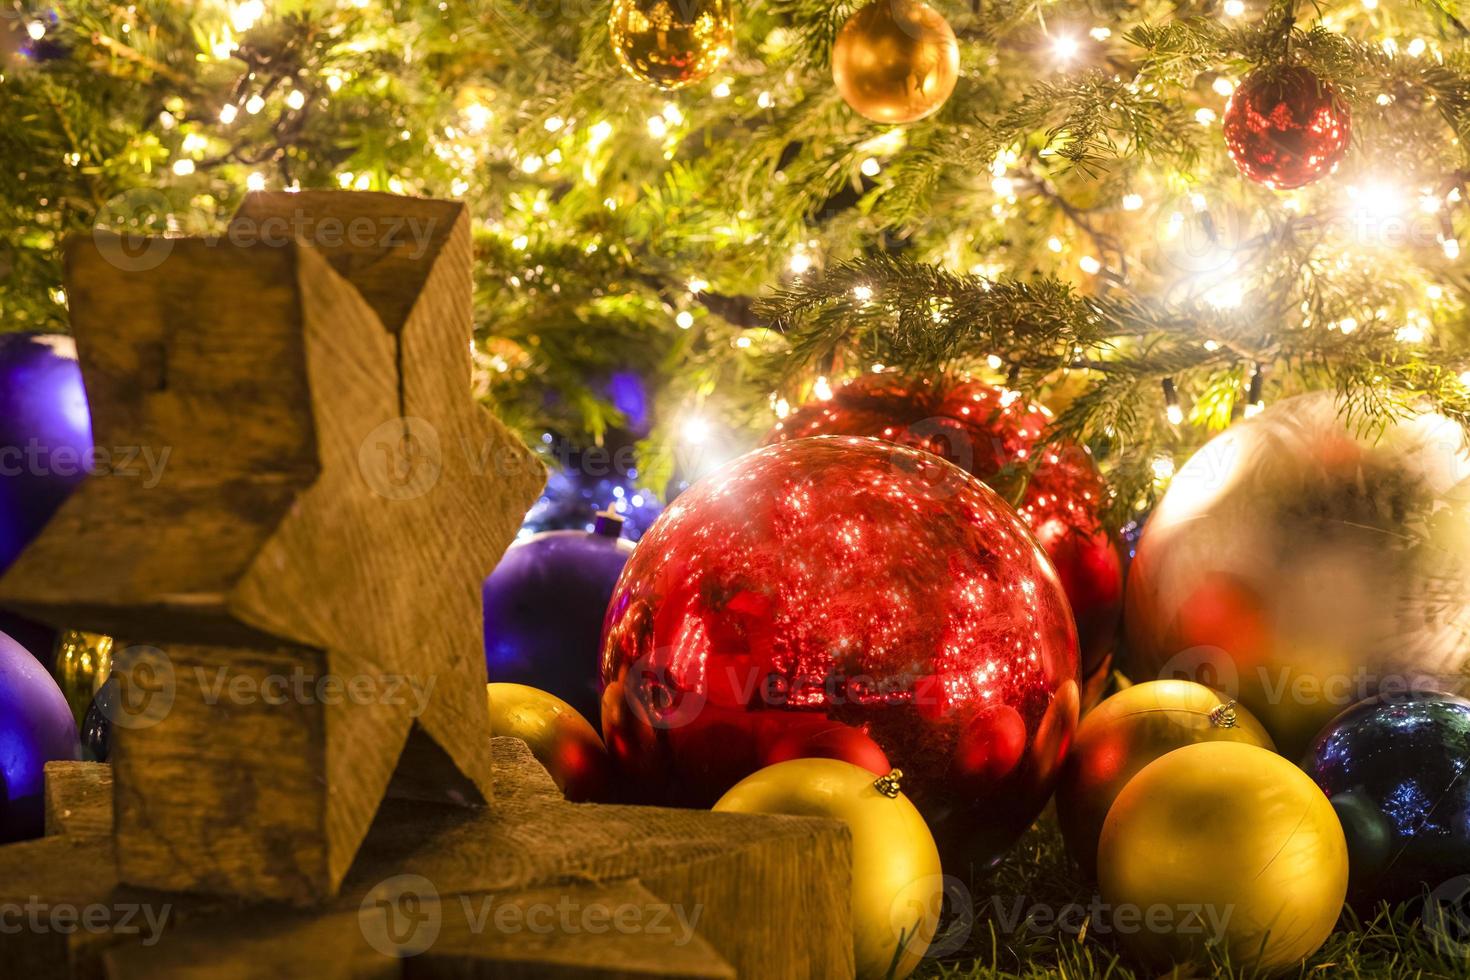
point(78, 798)
point(533, 887)
point(331, 501)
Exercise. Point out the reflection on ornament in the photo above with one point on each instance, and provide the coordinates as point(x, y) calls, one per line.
point(787, 587)
point(1285, 127)
point(895, 61)
point(671, 43)
point(994, 434)
point(1225, 845)
point(1298, 564)
point(35, 728)
point(82, 663)
point(897, 884)
point(1127, 732)
point(560, 739)
point(574, 495)
point(1394, 769)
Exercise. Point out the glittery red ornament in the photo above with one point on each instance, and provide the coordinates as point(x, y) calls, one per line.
point(992, 433)
point(857, 581)
point(1285, 127)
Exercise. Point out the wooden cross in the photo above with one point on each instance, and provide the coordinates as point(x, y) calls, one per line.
point(304, 569)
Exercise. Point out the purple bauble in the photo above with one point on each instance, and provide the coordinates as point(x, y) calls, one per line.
point(45, 434)
point(544, 606)
point(36, 727)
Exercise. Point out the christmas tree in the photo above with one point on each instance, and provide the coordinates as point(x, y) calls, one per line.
point(1155, 218)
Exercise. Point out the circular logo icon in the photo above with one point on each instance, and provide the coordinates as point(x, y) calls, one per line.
point(657, 700)
point(936, 905)
point(144, 693)
point(401, 459)
point(401, 916)
point(122, 230)
point(1447, 917)
point(1207, 665)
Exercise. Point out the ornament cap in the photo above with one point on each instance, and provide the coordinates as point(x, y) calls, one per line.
point(889, 785)
point(608, 524)
point(1223, 715)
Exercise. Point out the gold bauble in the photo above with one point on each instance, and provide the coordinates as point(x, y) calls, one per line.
point(895, 61)
point(81, 665)
point(560, 739)
point(897, 885)
point(671, 43)
point(1223, 844)
point(1299, 563)
point(1127, 732)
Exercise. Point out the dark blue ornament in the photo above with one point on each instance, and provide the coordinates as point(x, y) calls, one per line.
point(576, 492)
point(1397, 769)
point(96, 731)
point(36, 727)
point(544, 606)
point(45, 434)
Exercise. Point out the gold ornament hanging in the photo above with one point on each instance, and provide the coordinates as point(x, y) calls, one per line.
point(82, 663)
point(672, 43)
point(895, 61)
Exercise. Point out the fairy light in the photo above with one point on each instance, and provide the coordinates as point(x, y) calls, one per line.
point(764, 100)
point(721, 90)
point(1065, 47)
point(822, 389)
point(1451, 248)
point(183, 168)
point(1163, 468)
point(657, 128)
point(870, 167)
point(993, 362)
point(685, 319)
point(1223, 86)
point(862, 293)
point(672, 114)
point(1205, 116)
point(1234, 8)
point(36, 30)
point(554, 124)
point(800, 263)
point(1089, 265)
point(1132, 202)
point(1054, 244)
point(532, 164)
point(1172, 411)
point(1416, 47)
point(296, 100)
point(1099, 33)
point(228, 113)
point(255, 182)
point(254, 104)
point(245, 15)
point(695, 430)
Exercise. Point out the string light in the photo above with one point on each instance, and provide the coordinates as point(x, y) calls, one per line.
point(1172, 411)
point(228, 113)
point(1065, 47)
point(685, 319)
point(183, 168)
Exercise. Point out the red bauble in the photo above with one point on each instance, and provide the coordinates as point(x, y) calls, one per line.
point(1285, 127)
point(991, 432)
point(855, 581)
point(827, 739)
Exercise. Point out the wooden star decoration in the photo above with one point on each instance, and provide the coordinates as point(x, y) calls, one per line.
point(297, 593)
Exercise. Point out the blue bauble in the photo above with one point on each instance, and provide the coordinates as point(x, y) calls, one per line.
point(36, 727)
point(1397, 769)
point(96, 731)
point(45, 434)
point(544, 606)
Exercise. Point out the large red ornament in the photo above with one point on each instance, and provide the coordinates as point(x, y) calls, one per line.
point(857, 581)
point(992, 433)
point(1285, 127)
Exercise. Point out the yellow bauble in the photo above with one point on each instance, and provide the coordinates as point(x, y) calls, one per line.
point(82, 664)
point(895, 61)
point(1225, 844)
point(897, 884)
point(1127, 732)
point(671, 43)
point(560, 739)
